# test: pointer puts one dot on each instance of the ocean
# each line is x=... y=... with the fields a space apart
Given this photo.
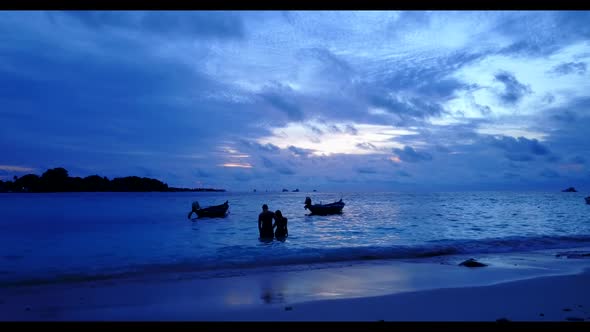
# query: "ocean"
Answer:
x=61 y=237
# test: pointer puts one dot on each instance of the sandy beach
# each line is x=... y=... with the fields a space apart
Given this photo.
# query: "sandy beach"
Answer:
x=533 y=286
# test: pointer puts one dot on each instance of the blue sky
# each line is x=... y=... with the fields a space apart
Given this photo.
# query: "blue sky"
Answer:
x=327 y=100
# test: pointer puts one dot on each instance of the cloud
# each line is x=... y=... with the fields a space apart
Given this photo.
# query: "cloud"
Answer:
x=277 y=166
x=316 y=130
x=268 y=147
x=350 y=129
x=366 y=170
x=578 y=160
x=404 y=174
x=17 y=169
x=569 y=68
x=519 y=149
x=217 y=24
x=514 y=91
x=406 y=108
x=316 y=94
x=332 y=66
x=286 y=170
x=410 y=155
x=282 y=100
x=548 y=173
x=535 y=34
x=366 y=146
x=202 y=174
x=300 y=152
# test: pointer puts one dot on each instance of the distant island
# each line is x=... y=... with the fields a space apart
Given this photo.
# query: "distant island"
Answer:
x=58 y=180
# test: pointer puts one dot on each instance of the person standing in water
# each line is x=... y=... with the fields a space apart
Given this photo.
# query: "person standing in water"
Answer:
x=281 y=224
x=265 y=226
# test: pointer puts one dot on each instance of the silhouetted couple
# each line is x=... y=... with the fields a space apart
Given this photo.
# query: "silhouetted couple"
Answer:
x=266 y=226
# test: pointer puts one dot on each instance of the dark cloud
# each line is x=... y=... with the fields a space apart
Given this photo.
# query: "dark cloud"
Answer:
x=548 y=173
x=366 y=146
x=534 y=34
x=442 y=148
x=216 y=24
x=569 y=68
x=578 y=160
x=549 y=98
x=564 y=116
x=268 y=147
x=483 y=109
x=519 y=149
x=350 y=129
x=513 y=89
x=409 y=21
x=202 y=174
x=333 y=65
x=404 y=174
x=267 y=162
x=94 y=91
x=509 y=175
x=428 y=78
x=300 y=152
x=283 y=99
x=334 y=129
x=406 y=108
x=286 y=170
x=277 y=166
x=316 y=130
x=366 y=170
x=410 y=155
x=243 y=177
x=518 y=156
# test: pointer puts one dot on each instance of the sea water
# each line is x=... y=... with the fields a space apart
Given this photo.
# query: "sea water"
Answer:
x=84 y=236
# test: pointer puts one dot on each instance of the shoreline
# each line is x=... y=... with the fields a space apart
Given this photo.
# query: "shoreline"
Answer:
x=515 y=286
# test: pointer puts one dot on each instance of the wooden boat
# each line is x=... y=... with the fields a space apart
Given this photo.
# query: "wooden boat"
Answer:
x=216 y=211
x=324 y=209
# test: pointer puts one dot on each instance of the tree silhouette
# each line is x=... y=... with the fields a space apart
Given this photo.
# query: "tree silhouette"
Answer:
x=58 y=180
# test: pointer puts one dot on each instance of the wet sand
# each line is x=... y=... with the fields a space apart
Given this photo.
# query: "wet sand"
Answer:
x=533 y=286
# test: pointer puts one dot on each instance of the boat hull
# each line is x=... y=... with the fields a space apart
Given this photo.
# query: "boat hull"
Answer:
x=323 y=210
x=219 y=211
x=212 y=214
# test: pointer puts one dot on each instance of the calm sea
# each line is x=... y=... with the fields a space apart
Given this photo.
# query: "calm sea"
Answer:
x=79 y=236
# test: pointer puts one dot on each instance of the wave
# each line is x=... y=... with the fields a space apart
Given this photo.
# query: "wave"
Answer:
x=242 y=257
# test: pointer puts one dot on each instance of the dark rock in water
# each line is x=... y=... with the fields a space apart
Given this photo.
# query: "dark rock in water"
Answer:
x=570 y=190
x=472 y=263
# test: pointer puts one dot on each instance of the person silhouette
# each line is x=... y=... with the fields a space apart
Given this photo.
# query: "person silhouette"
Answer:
x=281 y=231
x=265 y=226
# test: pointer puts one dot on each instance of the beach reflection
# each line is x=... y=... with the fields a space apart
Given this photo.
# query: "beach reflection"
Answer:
x=347 y=282
x=273 y=290
x=239 y=298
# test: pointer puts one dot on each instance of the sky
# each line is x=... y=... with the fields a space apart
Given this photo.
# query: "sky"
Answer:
x=325 y=100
